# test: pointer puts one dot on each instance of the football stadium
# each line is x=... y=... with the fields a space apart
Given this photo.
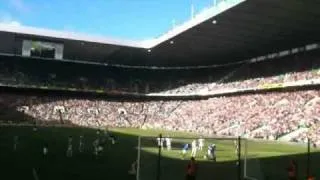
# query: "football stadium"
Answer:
x=231 y=94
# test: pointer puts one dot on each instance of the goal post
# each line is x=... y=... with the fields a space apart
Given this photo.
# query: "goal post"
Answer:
x=147 y=158
x=166 y=157
x=138 y=158
x=256 y=165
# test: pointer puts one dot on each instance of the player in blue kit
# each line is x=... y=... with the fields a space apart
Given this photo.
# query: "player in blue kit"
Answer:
x=212 y=152
x=184 y=150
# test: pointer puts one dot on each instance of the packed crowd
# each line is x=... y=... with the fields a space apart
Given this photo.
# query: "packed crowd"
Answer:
x=54 y=74
x=268 y=116
x=287 y=69
x=313 y=134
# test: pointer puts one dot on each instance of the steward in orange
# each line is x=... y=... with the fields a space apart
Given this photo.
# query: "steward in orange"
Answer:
x=192 y=170
x=292 y=170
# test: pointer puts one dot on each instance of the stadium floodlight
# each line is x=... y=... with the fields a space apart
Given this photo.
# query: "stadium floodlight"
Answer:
x=171 y=42
x=214 y=22
x=149 y=50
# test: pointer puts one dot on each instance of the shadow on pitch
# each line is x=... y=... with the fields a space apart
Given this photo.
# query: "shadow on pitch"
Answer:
x=116 y=159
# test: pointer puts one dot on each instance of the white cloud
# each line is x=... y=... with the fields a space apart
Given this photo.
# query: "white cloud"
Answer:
x=6 y=19
x=11 y=23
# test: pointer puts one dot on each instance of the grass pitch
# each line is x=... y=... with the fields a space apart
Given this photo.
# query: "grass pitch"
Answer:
x=266 y=160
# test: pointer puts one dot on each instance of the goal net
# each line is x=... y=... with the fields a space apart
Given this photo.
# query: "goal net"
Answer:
x=166 y=158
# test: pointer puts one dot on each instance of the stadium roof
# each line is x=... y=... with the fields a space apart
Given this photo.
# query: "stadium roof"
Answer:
x=234 y=30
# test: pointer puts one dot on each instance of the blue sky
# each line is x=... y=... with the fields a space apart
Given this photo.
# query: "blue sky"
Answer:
x=124 y=19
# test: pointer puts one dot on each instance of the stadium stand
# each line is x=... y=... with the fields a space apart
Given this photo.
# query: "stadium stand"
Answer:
x=267 y=116
x=66 y=75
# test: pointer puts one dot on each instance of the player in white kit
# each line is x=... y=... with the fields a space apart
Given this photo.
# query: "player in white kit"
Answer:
x=201 y=143
x=194 y=148
x=15 y=143
x=236 y=146
x=133 y=169
x=81 y=144
x=168 y=143
x=160 y=142
x=96 y=147
x=45 y=149
x=69 y=149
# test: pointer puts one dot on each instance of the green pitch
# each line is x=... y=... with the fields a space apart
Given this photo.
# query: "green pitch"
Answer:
x=266 y=160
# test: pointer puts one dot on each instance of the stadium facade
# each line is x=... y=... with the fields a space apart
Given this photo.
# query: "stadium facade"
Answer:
x=231 y=31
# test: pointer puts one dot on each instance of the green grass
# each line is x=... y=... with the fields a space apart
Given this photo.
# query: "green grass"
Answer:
x=266 y=159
